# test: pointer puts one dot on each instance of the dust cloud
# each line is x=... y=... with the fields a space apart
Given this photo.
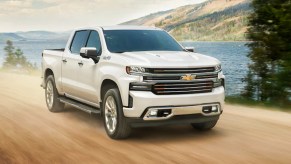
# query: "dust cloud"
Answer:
x=29 y=133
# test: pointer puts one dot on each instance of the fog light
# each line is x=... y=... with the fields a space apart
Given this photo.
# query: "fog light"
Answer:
x=214 y=108
x=153 y=112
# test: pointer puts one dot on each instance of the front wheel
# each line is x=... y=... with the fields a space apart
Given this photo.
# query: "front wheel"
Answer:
x=204 y=126
x=114 y=121
x=52 y=96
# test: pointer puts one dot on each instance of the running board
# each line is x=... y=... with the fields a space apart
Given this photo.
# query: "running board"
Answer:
x=86 y=108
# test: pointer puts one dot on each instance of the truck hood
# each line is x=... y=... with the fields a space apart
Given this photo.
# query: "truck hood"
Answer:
x=167 y=59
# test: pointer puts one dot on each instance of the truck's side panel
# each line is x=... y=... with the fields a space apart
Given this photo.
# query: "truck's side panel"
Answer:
x=70 y=74
x=88 y=73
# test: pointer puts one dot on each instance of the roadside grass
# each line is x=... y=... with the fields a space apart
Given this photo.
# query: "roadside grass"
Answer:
x=267 y=105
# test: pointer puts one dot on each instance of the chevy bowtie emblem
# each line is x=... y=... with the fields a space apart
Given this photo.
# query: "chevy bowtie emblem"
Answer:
x=188 y=77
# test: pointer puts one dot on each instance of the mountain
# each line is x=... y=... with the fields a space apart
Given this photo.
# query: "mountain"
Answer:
x=10 y=36
x=43 y=35
x=34 y=35
x=213 y=20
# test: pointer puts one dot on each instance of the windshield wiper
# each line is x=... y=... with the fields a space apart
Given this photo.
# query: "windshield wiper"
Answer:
x=120 y=52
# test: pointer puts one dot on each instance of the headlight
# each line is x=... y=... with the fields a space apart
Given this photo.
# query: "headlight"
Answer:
x=218 y=68
x=135 y=70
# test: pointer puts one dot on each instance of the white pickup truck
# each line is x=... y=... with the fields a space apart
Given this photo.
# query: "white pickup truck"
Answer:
x=133 y=76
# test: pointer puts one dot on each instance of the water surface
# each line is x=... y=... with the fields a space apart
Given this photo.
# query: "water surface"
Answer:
x=233 y=56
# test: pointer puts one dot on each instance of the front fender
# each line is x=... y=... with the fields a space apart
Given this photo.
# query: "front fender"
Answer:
x=118 y=75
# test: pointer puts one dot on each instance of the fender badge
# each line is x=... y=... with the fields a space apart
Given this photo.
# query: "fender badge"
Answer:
x=106 y=57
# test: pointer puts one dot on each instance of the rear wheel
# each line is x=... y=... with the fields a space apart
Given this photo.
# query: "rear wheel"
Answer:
x=204 y=126
x=114 y=121
x=52 y=96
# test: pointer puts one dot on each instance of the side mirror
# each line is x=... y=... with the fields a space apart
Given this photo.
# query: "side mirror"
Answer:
x=90 y=52
x=189 y=49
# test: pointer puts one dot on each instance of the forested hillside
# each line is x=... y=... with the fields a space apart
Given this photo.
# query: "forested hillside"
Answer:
x=213 y=20
x=229 y=24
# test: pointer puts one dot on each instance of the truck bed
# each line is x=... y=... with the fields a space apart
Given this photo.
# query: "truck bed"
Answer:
x=53 y=52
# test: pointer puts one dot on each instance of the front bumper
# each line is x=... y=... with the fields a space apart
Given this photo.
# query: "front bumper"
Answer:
x=193 y=103
x=175 y=120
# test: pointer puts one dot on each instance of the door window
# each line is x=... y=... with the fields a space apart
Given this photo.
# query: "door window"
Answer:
x=79 y=41
x=94 y=40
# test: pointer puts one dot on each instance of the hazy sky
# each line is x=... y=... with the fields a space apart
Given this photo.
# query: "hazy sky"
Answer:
x=60 y=15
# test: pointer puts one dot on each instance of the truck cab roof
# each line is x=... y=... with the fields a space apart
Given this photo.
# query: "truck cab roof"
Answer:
x=121 y=27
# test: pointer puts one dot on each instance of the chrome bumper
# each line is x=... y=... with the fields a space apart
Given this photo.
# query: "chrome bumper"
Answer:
x=163 y=113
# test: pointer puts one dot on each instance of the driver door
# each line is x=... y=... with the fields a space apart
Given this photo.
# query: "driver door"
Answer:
x=88 y=71
x=72 y=64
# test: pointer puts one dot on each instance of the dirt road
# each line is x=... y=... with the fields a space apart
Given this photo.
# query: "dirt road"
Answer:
x=29 y=133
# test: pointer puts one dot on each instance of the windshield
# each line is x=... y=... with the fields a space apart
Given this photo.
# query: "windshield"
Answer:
x=119 y=41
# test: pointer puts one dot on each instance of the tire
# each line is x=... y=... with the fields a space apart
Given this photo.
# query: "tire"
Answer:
x=204 y=126
x=52 y=96
x=112 y=111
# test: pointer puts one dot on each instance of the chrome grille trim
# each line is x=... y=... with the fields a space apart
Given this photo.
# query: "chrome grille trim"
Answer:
x=181 y=70
x=179 y=84
x=155 y=78
x=182 y=87
x=178 y=74
x=170 y=81
x=185 y=92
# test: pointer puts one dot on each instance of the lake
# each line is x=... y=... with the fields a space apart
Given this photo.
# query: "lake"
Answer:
x=233 y=56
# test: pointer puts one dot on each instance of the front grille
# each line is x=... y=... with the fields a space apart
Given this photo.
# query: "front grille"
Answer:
x=180 y=70
x=183 y=87
x=173 y=81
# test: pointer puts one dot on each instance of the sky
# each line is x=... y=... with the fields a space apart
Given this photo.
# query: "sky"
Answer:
x=63 y=15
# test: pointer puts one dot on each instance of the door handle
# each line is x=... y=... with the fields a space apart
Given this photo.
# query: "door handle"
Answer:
x=81 y=63
x=64 y=60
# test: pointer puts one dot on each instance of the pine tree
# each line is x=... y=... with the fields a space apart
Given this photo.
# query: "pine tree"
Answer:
x=15 y=58
x=10 y=60
x=269 y=73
